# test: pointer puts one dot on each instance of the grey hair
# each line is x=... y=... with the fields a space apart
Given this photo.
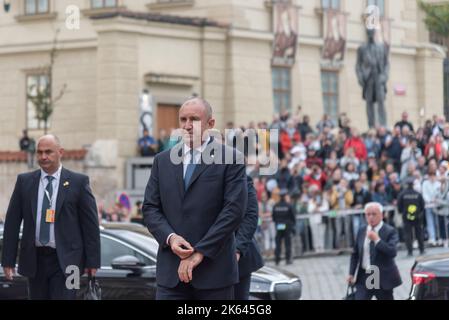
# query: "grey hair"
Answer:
x=204 y=102
x=54 y=137
x=375 y=205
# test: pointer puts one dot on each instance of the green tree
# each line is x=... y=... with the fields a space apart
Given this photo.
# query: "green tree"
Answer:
x=42 y=97
x=437 y=20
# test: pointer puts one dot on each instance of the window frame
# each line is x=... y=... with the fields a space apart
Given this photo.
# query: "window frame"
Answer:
x=36 y=6
x=40 y=123
x=281 y=90
x=330 y=93
x=103 y=6
x=331 y=5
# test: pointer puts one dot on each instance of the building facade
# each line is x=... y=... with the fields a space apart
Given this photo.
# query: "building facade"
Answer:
x=219 y=49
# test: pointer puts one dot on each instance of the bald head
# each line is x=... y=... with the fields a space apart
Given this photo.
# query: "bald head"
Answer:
x=49 y=153
x=197 y=100
x=50 y=138
x=195 y=118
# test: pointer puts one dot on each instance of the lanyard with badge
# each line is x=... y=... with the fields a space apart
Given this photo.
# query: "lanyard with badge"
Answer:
x=50 y=213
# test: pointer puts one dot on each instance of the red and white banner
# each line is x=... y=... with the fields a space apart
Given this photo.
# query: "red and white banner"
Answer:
x=285 y=20
x=335 y=34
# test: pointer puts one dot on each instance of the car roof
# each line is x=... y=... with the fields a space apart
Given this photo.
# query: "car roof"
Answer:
x=437 y=264
x=435 y=257
x=134 y=227
x=133 y=233
x=275 y=275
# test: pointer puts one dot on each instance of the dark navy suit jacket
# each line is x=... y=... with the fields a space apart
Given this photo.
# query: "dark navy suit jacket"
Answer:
x=250 y=258
x=382 y=256
x=207 y=215
x=77 y=232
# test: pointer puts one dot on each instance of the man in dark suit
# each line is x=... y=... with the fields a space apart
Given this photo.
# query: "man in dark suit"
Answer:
x=373 y=258
x=248 y=253
x=194 y=203
x=60 y=226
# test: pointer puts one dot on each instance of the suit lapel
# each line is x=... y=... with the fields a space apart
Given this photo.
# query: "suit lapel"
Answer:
x=199 y=169
x=179 y=175
x=362 y=243
x=34 y=191
x=62 y=190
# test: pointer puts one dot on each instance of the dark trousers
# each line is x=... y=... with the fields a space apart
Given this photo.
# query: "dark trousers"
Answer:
x=443 y=226
x=49 y=282
x=419 y=234
x=363 y=293
x=184 y=291
x=241 y=289
x=286 y=236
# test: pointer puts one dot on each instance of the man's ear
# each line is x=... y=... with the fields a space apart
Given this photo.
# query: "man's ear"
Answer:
x=211 y=123
x=61 y=151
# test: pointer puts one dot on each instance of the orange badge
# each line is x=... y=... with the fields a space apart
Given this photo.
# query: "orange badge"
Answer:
x=50 y=216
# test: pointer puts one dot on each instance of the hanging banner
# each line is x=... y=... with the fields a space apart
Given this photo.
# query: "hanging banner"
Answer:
x=335 y=29
x=285 y=20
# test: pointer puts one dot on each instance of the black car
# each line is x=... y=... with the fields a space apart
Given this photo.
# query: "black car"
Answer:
x=128 y=270
x=430 y=278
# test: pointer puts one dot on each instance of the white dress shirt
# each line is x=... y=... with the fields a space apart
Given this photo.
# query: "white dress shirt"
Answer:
x=366 y=260
x=43 y=182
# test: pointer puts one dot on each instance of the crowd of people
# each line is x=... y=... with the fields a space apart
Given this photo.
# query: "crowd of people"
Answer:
x=330 y=171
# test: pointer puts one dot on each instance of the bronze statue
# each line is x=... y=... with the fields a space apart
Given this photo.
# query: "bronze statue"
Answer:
x=372 y=72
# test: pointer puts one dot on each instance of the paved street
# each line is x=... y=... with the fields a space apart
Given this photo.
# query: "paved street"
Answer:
x=324 y=278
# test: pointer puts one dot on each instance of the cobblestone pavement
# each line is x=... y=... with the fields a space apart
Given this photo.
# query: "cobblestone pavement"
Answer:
x=323 y=278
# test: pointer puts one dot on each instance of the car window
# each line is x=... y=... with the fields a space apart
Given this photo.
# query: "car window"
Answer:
x=111 y=249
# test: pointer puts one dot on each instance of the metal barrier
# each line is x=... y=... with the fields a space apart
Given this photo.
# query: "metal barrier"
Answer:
x=338 y=228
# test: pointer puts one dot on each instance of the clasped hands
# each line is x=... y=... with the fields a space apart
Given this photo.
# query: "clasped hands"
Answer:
x=373 y=236
x=189 y=258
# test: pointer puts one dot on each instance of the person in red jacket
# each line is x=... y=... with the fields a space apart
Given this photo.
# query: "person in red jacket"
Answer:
x=286 y=142
x=434 y=148
x=317 y=177
x=357 y=143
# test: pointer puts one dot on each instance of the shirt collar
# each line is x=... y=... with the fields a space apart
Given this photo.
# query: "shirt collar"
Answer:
x=378 y=227
x=200 y=149
x=55 y=175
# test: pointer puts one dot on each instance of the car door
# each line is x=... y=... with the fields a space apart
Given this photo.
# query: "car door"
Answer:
x=123 y=284
x=12 y=290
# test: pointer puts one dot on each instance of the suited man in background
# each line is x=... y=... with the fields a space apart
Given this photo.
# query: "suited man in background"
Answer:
x=248 y=253
x=193 y=210
x=375 y=247
x=60 y=225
